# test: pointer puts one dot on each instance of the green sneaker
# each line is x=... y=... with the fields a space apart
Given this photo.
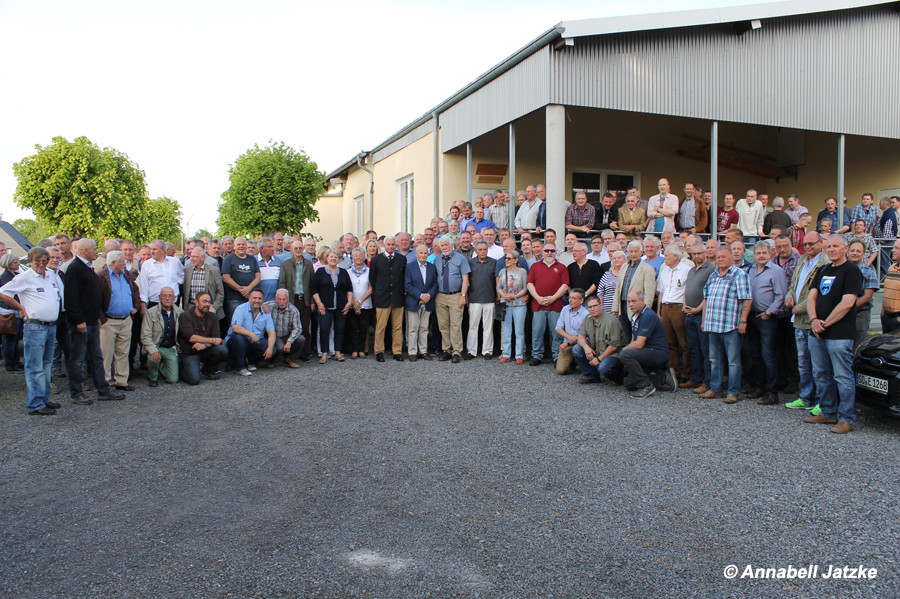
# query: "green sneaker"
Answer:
x=797 y=404
x=816 y=411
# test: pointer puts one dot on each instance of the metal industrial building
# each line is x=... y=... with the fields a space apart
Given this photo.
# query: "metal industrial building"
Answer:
x=788 y=97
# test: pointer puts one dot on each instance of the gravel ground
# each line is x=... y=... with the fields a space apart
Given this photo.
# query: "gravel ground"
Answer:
x=436 y=480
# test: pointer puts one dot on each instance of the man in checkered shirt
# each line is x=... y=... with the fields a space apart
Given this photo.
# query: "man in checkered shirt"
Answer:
x=726 y=305
x=289 y=338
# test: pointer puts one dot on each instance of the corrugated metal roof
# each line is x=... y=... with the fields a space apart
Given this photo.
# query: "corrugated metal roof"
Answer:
x=707 y=16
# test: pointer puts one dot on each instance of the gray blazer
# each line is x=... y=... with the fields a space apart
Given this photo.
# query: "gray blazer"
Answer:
x=214 y=286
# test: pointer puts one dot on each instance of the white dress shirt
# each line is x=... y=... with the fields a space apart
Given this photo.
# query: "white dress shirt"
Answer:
x=156 y=275
x=671 y=282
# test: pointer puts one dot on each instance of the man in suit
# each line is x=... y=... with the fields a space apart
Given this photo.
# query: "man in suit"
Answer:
x=82 y=301
x=607 y=215
x=637 y=276
x=421 y=289
x=202 y=274
x=632 y=219
x=296 y=276
x=387 y=274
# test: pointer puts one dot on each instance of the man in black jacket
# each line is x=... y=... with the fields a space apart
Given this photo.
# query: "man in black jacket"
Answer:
x=387 y=274
x=82 y=295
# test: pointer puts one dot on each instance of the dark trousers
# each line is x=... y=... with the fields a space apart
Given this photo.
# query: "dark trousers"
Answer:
x=337 y=319
x=305 y=317
x=63 y=348
x=136 y=321
x=296 y=347
x=624 y=321
x=241 y=349
x=639 y=363
x=86 y=346
x=11 y=347
x=786 y=354
x=764 y=364
x=211 y=357
x=436 y=343
x=698 y=341
x=358 y=325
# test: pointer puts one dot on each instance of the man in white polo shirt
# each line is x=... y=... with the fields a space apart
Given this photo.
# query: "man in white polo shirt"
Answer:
x=41 y=294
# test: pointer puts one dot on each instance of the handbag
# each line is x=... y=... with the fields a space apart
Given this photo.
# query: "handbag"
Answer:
x=8 y=324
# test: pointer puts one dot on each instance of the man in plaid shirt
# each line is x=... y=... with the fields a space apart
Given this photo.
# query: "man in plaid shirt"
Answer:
x=726 y=305
x=798 y=230
x=866 y=211
x=289 y=338
x=580 y=215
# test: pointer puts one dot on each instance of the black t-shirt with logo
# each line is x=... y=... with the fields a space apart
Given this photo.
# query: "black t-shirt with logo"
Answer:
x=832 y=284
x=242 y=271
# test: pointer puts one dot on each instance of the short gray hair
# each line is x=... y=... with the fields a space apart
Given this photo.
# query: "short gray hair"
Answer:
x=115 y=256
x=284 y=291
x=634 y=243
x=674 y=249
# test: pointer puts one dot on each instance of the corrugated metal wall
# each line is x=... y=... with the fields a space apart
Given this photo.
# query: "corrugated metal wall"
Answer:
x=835 y=71
x=522 y=89
x=410 y=138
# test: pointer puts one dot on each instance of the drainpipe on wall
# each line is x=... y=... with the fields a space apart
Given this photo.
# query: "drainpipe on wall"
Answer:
x=436 y=167
x=359 y=163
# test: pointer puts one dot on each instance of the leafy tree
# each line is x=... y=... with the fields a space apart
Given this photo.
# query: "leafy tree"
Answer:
x=32 y=229
x=272 y=188
x=202 y=233
x=84 y=190
x=163 y=220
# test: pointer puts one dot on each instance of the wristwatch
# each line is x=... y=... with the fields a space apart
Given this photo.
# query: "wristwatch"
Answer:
x=742 y=321
x=462 y=295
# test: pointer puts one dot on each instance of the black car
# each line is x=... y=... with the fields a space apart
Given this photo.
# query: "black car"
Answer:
x=876 y=367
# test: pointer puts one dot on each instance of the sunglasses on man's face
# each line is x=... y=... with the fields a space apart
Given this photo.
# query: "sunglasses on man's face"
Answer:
x=549 y=251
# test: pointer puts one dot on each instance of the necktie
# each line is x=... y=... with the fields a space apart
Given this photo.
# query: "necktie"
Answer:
x=445 y=275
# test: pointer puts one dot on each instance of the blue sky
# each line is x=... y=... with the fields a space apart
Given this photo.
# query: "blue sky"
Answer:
x=185 y=87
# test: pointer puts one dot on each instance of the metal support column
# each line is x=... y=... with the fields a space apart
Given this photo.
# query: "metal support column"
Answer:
x=714 y=178
x=556 y=168
x=510 y=208
x=840 y=189
x=436 y=168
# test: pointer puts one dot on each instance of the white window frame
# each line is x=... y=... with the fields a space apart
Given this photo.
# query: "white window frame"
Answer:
x=406 y=200
x=359 y=211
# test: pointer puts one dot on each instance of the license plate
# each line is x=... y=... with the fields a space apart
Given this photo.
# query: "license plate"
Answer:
x=870 y=382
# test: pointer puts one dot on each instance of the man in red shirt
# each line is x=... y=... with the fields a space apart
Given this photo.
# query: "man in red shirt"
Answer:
x=797 y=232
x=548 y=281
x=727 y=217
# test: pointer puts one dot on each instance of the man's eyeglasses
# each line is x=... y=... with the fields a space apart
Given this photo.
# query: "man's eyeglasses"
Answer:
x=809 y=243
x=549 y=251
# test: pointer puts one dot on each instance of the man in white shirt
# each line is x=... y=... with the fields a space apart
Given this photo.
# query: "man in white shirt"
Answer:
x=41 y=295
x=751 y=216
x=671 y=285
x=526 y=217
x=599 y=253
x=661 y=209
x=158 y=272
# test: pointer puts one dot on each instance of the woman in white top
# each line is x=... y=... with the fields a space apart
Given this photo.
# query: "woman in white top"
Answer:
x=361 y=308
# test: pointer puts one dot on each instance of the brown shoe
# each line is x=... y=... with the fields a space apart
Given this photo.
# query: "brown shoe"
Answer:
x=842 y=427
x=413 y=357
x=732 y=398
x=291 y=363
x=689 y=385
x=425 y=357
x=269 y=364
x=769 y=399
x=589 y=381
x=701 y=389
x=710 y=395
x=820 y=419
x=754 y=393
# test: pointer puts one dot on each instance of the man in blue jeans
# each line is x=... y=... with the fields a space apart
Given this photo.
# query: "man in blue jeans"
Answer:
x=82 y=301
x=726 y=306
x=833 y=294
x=251 y=336
x=697 y=338
x=200 y=341
x=768 y=286
x=548 y=281
x=599 y=341
x=40 y=293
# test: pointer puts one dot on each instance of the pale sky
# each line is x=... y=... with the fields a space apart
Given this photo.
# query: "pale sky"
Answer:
x=184 y=87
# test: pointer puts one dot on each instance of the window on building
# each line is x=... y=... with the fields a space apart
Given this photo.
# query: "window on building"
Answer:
x=406 y=194
x=597 y=183
x=359 y=207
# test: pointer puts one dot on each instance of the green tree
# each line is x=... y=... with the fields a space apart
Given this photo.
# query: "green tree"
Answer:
x=272 y=188
x=163 y=220
x=32 y=229
x=81 y=189
x=202 y=233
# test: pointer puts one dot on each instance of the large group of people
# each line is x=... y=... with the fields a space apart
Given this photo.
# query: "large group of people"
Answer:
x=638 y=294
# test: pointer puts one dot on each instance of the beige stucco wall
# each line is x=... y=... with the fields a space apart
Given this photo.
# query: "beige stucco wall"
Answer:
x=415 y=160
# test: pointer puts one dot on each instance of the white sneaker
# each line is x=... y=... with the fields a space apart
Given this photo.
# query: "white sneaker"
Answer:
x=244 y=372
x=251 y=367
